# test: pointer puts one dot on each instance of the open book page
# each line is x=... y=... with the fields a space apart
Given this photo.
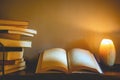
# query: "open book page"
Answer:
x=80 y=59
x=53 y=59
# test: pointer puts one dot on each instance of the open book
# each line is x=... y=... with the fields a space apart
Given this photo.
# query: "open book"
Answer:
x=76 y=60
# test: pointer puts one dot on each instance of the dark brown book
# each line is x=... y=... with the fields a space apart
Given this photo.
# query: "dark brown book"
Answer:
x=13 y=49
x=10 y=36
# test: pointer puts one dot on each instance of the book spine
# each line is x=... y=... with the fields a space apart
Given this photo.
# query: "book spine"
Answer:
x=8 y=67
x=18 y=29
x=14 y=22
x=11 y=62
x=13 y=70
x=16 y=32
x=11 y=55
x=10 y=36
x=15 y=43
x=13 y=49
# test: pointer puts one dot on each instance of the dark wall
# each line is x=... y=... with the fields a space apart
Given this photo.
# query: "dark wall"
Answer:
x=66 y=23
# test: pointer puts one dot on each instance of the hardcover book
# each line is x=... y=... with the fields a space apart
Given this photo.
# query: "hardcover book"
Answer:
x=12 y=55
x=16 y=32
x=22 y=24
x=31 y=31
x=58 y=60
x=13 y=70
x=15 y=43
x=11 y=62
x=10 y=36
x=11 y=49
x=8 y=67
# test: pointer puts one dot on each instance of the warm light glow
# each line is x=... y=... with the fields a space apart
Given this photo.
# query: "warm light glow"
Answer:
x=107 y=52
x=106 y=42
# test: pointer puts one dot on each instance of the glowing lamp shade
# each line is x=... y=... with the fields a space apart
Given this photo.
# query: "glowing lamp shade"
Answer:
x=107 y=52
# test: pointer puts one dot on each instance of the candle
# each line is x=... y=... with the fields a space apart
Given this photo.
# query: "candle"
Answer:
x=107 y=52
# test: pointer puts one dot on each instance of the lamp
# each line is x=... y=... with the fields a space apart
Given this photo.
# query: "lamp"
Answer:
x=107 y=52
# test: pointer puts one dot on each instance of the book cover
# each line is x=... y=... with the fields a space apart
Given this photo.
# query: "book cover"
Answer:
x=16 y=32
x=31 y=31
x=13 y=70
x=15 y=43
x=8 y=67
x=12 y=55
x=12 y=49
x=24 y=24
x=10 y=36
x=11 y=62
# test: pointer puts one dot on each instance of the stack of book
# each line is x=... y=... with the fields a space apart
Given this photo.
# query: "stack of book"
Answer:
x=11 y=32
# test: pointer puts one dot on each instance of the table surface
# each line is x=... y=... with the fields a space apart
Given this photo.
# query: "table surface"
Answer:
x=23 y=75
